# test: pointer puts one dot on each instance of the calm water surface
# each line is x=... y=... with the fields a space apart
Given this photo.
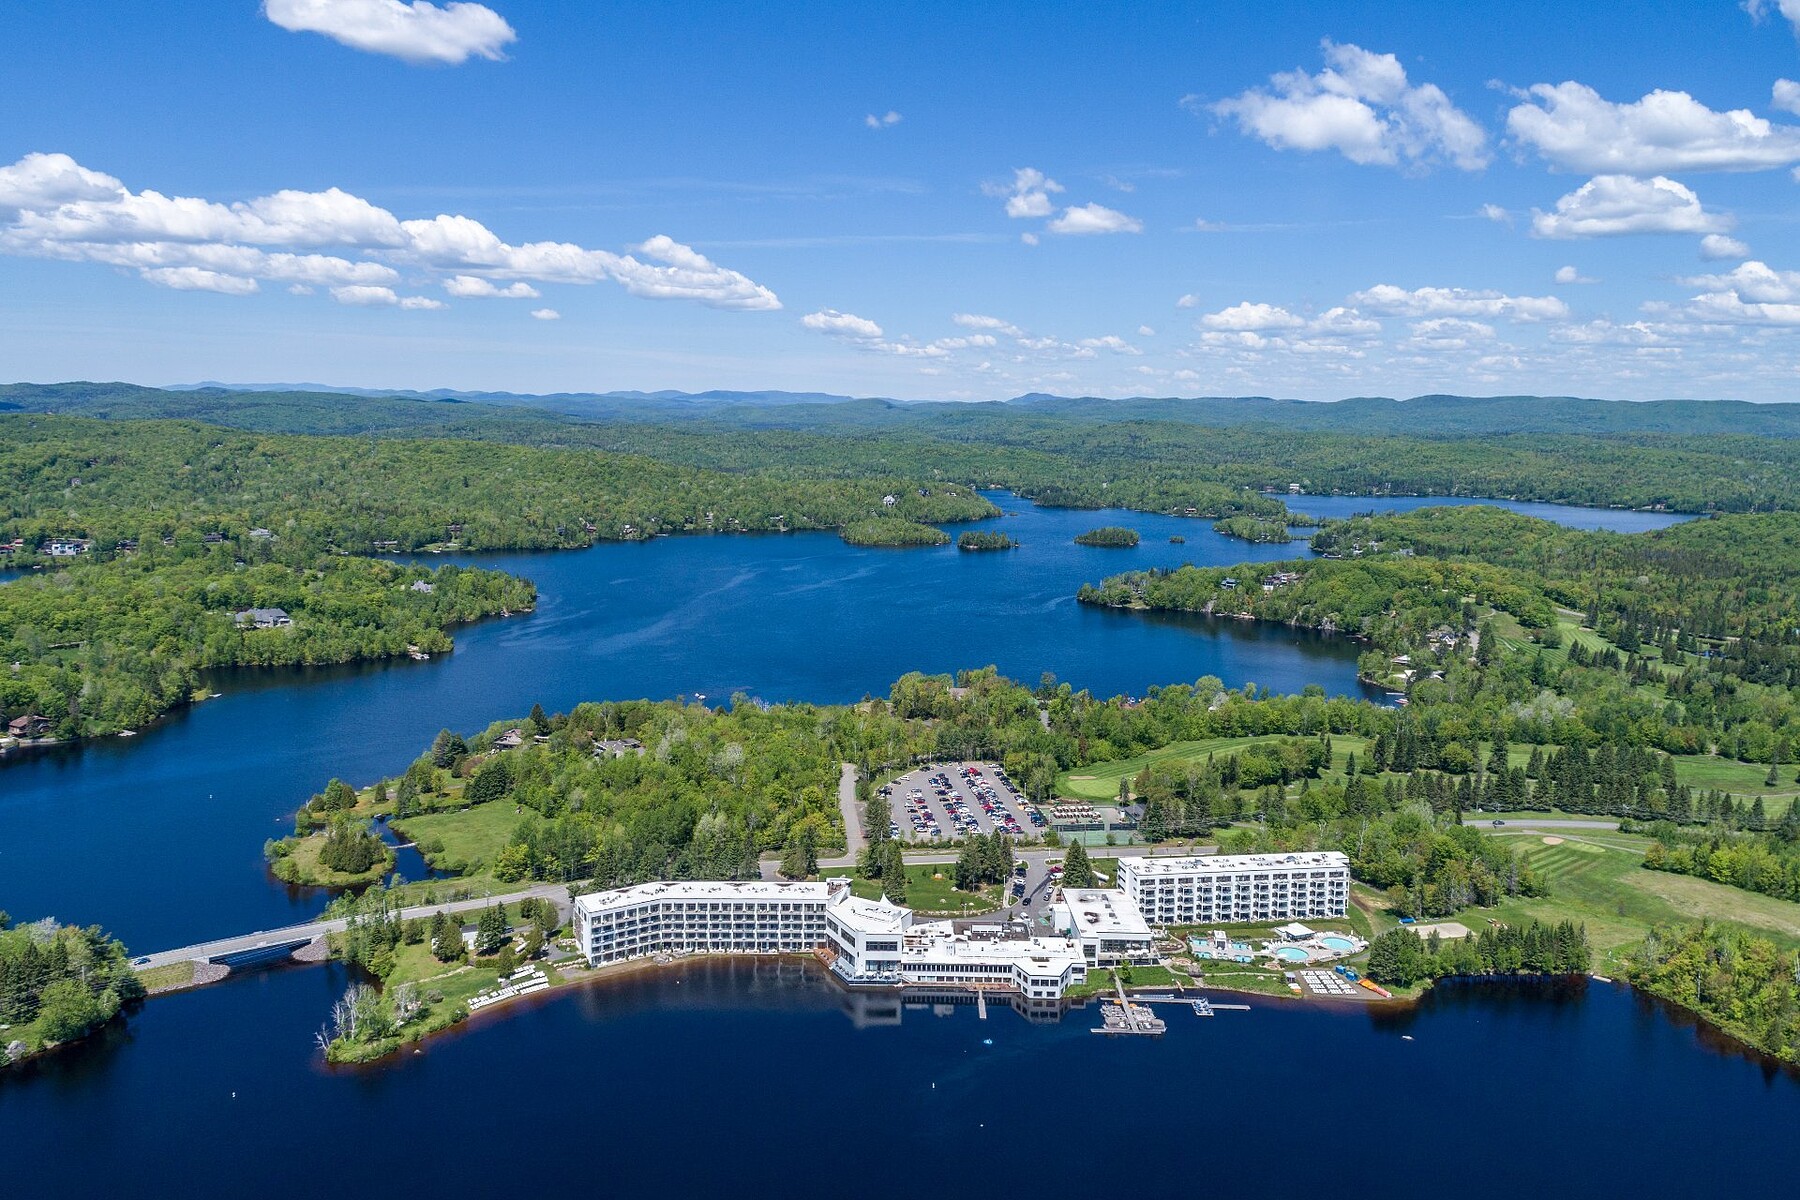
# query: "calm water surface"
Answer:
x=159 y=837
x=736 y=1078
x=744 y=1077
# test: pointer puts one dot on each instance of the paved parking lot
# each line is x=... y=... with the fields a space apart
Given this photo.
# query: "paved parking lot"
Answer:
x=946 y=801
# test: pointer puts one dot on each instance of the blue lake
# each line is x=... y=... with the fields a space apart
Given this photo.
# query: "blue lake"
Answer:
x=704 y=1079
x=159 y=837
x=724 y=1078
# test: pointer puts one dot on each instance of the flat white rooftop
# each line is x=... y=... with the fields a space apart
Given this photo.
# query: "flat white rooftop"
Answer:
x=871 y=916
x=1234 y=863
x=750 y=889
x=1104 y=912
x=938 y=941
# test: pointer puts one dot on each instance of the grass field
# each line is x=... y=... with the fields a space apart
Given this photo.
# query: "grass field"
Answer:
x=472 y=838
x=1598 y=879
x=927 y=892
x=1100 y=781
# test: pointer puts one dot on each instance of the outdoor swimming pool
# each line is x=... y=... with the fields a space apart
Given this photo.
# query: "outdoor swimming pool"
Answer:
x=1337 y=945
x=1292 y=954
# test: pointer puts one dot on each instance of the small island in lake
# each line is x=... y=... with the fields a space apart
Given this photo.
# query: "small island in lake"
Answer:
x=1254 y=529
x=985 y=541
x=1109 y=535
x=892 y=531
x=1178 y=540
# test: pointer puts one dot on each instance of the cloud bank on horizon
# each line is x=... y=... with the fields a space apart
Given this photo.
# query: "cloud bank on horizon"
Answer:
x=1341 y=212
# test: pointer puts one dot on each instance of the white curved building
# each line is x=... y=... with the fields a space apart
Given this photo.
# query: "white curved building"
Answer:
x=869 y=943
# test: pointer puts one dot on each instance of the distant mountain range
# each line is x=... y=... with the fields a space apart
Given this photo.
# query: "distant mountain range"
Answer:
x=317 y=408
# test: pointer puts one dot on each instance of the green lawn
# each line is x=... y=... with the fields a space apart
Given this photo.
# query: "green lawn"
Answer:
x=929 y=890
x=1100 y=781
x=1739 y=778
x=472 y=838
x=1600 y=881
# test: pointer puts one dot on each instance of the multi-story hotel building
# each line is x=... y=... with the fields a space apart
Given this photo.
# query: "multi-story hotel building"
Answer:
x=868 y=942
x=710 y=918
x=1222 y=888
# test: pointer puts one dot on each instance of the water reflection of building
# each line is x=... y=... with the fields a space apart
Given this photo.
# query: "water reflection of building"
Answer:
x=870 y=1009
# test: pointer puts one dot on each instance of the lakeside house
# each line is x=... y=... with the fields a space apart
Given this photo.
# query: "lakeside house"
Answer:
x=512 y=739
x=261 y=535
x=31 y=726
x=617 y=747
x=420 y=585
x=264 y=618
x=65 y=547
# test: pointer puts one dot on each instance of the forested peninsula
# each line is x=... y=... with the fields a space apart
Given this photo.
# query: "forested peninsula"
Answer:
x=154 y=551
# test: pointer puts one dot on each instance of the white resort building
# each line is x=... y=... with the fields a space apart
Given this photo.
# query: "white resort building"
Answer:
x=1107 y=925
x=710 y=918
x=1222 y=888
x=867 y=942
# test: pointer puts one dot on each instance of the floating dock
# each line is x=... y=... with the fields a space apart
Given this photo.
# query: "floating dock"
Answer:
x=1126 y=1017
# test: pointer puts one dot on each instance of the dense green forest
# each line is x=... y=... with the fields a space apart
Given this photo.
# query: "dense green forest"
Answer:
x=109 y=481
x=181 y=527
x=107 y=645
x=1211 y=457
x=1401 y=957
x=1746 y=985
x=1686 y=638
x=984 y=540
x=58 y=983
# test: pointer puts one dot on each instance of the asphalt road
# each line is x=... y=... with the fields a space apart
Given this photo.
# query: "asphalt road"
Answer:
x=1534 y=823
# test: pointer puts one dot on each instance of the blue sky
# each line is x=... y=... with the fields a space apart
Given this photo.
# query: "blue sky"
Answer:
x=1197 y=199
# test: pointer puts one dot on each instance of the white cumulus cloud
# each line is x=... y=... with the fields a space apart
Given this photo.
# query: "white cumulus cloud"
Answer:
x=884 y=121
x=1429 y=302
x=1571 y=275
x=1617 y=204
x=198 y=279
x=417 y=32
x=1716 y=246
x=1094 y=218
x=1573 y=127
x=546 y=314
x=1785 y=95
x=992 y=324
x=1252 y=317
x=1753 y=281
x=473 y=287
x=1028 y=195
x=841 y=324
x=1759 y=9
x=52 y=207
x=1362 y=106
x=367 y=297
